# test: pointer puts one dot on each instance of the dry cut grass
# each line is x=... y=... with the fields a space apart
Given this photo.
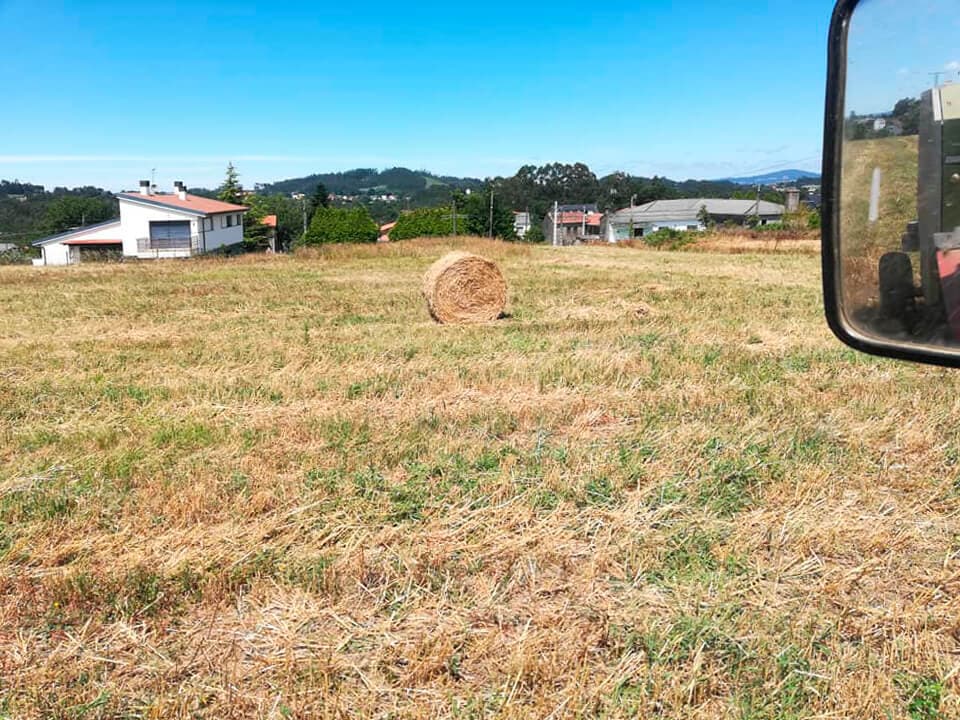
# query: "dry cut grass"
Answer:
x=273 y=487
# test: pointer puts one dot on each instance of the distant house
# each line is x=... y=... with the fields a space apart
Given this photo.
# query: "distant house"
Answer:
x=8 y=247
x=521 y=223
x=151 y=225
x=686 y=214
x=270 y=222
x=572 y=226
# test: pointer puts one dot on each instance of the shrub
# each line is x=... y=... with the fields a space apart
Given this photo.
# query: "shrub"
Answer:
x=668 y=239
x=14 y=257
x=341 y=225
x=534 y=234
x=771 y=227
x=423 y=222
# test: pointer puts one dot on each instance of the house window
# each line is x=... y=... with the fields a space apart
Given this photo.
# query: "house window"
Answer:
x=638 y=232
x=693 y=227
x=208 y=224
x=226 y=221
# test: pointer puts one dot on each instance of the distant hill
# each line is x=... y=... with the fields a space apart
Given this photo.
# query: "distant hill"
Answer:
x=773 y=178
x=419 y=185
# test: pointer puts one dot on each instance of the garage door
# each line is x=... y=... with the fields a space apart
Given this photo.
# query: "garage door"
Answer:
x=170 y=235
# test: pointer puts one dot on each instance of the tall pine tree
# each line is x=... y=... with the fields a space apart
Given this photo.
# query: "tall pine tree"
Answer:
x=231 y=191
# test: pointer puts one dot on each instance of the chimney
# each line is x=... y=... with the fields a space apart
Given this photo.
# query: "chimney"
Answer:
x=793 y=199
x=144 y=187
x=181 y=189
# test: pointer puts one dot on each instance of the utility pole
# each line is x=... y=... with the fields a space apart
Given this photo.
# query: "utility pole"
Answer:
x=757 y=211
x=303 y=208
x=555 y=206
x=936 y=77
x=491 y=214
x=454 y=200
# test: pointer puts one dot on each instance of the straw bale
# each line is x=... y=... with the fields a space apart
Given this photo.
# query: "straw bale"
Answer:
x=462 y=287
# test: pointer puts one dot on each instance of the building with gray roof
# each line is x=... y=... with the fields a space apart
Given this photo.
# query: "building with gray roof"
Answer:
x=685 y=214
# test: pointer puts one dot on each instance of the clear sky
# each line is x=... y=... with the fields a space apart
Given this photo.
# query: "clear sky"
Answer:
x=898 y=48
x=101 y=93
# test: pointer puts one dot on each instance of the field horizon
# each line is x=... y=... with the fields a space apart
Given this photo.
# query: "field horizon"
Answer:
x=273 y=487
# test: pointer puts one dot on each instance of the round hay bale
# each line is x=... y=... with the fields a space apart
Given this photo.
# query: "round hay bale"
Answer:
x=462 y=287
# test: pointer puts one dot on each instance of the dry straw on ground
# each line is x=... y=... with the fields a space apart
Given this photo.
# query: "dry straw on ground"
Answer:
x=255 y=488
x=462 y=287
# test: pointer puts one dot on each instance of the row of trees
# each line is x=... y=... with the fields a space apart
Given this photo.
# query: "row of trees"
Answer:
x=314 y=221
x=29 y=212
x=481 y=213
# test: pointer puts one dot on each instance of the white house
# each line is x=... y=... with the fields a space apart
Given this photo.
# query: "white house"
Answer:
x=685 y=214
x=152 y=225
x=521 y=223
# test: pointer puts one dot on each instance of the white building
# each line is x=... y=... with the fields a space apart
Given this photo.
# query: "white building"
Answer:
x=685 y=214
x=151 y=225
x=521 y=223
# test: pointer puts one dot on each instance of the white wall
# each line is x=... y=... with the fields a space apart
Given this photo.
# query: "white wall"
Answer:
x=56 y=253
x=622 y=231
x=221 y=236
x=136 y=218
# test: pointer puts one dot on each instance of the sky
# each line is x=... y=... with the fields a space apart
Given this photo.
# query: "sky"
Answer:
x=108 y=93
x=898 y=49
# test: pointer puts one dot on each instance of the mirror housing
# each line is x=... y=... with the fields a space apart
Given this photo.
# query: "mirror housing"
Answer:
x=891 y=279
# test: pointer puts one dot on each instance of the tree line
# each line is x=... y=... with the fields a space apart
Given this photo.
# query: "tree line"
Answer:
x=450 y=205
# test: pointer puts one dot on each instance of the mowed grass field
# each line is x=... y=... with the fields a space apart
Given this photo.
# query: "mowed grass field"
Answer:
x=273 y=488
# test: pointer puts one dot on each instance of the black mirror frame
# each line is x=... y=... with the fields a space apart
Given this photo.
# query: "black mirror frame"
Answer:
x=830 y=208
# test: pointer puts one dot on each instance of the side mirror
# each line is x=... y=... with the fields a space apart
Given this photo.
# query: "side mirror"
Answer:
x=891 y=179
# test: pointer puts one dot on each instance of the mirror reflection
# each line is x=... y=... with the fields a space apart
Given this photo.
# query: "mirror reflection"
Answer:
x=900 y=179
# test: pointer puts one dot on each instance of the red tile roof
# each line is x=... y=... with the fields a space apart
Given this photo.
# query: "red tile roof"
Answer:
x=194 y=203
x=575 y=217
x=93 y=242
x=269 y=221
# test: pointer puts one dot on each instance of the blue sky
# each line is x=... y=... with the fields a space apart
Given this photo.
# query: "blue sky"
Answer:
x=894 y=49
x=103 y=92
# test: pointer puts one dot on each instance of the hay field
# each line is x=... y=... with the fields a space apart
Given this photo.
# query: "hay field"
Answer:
x=274 y=488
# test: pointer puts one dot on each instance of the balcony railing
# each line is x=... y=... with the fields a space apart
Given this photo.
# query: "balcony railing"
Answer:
x=179 y=246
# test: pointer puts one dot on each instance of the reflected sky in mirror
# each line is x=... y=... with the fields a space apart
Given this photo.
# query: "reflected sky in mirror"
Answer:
x=896 y=49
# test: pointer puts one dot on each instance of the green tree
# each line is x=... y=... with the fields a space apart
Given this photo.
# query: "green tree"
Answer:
x=476 y=210
x=231 y=191
x=255 y=233
x=320 y=198
x=704 y=217
x=907 y=111
x=69 y=211
x=534 y=233
x=341 y=225
x=425 y=222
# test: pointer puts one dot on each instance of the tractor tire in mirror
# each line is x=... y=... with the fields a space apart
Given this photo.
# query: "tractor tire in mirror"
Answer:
x=891 y=180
